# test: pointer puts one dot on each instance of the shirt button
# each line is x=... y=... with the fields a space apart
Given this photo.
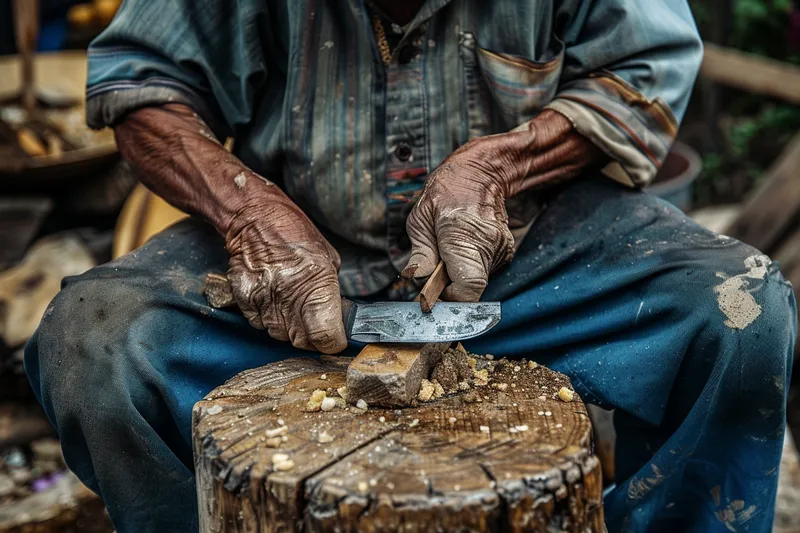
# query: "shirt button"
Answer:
x=403 y=152
x=406 y=54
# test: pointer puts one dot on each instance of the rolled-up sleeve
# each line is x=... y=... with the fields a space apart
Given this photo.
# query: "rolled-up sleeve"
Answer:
x=629 y=70
x=207 y=54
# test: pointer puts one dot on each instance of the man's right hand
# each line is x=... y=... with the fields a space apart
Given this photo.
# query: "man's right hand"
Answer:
x=283 y=273
x=282 y=270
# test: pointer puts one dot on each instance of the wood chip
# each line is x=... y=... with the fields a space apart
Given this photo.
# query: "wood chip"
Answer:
x=328 y=404
x=426 y=391
x=481 y=377
x=283 y=466
x=277 y=432
x=315 y=401
x=566 y=394
x=279 y=457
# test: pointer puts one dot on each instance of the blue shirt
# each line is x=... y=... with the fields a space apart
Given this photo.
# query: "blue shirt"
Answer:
x=301 y=86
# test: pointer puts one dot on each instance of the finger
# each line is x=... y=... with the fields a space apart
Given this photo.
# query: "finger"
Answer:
x=424 y=250
x=322 y=318
x=297 y=335
x=247 y=291
x=471 y=248
x=468 y=273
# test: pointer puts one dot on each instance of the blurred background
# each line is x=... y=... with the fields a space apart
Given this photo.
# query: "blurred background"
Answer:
x=67 y=202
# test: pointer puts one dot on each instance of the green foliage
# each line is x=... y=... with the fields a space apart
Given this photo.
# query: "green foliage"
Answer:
x=759 y=26
x=754 y=128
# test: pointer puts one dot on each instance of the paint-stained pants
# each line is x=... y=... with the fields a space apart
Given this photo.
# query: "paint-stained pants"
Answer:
x=686 y=333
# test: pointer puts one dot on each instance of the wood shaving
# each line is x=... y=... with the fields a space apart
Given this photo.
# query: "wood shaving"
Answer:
x=414 y=423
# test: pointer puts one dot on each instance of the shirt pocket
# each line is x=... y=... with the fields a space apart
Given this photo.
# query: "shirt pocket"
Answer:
x=518 y=87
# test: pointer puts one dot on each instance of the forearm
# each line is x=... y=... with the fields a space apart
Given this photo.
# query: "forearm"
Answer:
x=175 y=155
x=542 y=152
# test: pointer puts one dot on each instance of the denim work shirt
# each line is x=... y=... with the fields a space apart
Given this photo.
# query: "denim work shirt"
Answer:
x=301 y=86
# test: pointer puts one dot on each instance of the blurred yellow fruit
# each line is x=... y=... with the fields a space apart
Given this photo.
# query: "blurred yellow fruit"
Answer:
x=106 y=9
x=81 y=15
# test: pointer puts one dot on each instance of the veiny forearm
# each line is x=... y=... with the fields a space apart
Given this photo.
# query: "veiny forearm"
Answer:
x=545 y=152
x=175 y=155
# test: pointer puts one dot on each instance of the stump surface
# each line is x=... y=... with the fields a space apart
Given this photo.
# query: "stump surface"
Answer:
x=481 y=460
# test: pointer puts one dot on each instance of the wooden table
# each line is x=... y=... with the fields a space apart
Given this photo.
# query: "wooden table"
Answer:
x=510 y=456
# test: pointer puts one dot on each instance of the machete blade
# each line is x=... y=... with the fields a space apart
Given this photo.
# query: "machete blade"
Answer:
x=405 y=322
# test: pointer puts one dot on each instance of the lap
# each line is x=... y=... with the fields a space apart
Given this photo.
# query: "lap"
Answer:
x=611 y=286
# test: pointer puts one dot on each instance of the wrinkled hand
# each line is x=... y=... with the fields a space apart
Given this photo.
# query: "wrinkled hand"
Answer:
x=461 y=216
x=283 y=274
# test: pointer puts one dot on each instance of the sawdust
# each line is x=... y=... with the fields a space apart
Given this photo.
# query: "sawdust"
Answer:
x=453 y=368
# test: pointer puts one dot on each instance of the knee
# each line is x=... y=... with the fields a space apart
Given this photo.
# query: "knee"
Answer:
x=742 y=348
x=754 y=312
x=73 y=356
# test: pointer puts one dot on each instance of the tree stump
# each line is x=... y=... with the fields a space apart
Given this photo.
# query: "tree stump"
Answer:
x=510 y=456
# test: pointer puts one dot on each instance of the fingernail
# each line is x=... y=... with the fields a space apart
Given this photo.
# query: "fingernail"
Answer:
x=409 y=271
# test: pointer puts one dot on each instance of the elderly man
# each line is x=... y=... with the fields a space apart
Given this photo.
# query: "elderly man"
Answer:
x=508 y=139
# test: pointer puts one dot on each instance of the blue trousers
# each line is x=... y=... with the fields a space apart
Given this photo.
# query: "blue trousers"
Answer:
x=686 y=333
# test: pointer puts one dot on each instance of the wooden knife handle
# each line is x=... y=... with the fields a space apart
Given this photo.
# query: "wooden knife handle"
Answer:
x=433 y=288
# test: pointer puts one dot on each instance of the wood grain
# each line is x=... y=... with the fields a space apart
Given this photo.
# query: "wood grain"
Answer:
x=380 y=471
x=433 y=288
x=390 y=375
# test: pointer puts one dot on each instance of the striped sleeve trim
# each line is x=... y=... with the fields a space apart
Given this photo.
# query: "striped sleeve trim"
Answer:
x=635 y=132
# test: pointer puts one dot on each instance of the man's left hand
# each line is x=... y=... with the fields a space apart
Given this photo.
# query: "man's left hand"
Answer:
x=461 y=216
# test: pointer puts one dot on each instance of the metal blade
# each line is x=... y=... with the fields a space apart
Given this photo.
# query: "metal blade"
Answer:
x=405 y=321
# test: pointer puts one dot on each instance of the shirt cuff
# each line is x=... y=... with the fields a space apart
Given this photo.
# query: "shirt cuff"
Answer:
x=108 y=103
x=634 y=131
